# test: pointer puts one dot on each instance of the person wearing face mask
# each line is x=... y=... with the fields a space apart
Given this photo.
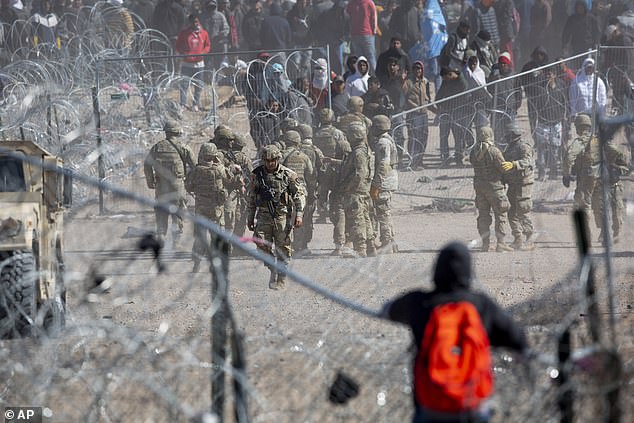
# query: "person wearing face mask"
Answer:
x=192 y=40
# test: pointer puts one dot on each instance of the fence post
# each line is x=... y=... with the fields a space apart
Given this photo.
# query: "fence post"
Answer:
x=329 y=82
x=100 y=166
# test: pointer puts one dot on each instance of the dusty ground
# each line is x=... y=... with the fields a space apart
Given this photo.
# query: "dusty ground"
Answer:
x=141 y=351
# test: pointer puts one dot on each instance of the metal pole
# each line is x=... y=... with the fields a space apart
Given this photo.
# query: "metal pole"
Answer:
x=218 y=255
x=97 y=117
x=329 y=70
x=605 y=188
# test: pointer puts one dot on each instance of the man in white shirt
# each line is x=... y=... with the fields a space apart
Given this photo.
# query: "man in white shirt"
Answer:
x=581 y=91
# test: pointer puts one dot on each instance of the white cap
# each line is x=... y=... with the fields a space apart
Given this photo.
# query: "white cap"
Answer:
x=589 y=61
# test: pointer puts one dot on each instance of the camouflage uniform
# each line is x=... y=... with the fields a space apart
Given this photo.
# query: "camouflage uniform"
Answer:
x=356 y=177
x=271 y=197
x=355 y=114
x=165 y=168
x=334 y=146
x=519 y=178
x=385 y=180
x=297 y=161
x=239 y=157
x=490 y=194
x=207 y=183
x=618 y=166
x=317 y=159
x=224 y=139
x=573 y=164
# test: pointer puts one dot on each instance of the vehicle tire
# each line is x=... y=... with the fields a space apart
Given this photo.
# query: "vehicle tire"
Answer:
x=17 y=293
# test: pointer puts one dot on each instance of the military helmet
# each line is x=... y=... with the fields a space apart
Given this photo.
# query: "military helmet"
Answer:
x=355 y=104
x=208 y=152
x=271 y=152
x=292 y=137
x=356 y=131
x=583 y=119
x=381 y=122
x=306 y=131
x=511 y=128
x=288 y=123
x=326 y=115
x=223 y=132
x=240 y=142
x=172 y=128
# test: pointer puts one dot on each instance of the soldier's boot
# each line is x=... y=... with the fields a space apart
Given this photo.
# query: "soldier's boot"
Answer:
x=394 y=247
x=360 y=249
x=337 y=251
x=386 y=247
x=486 y=244
x=280 y=281
x=529 y=245
x=371 y=249
x=273 y=279
x=517 y=243
x=503 y=246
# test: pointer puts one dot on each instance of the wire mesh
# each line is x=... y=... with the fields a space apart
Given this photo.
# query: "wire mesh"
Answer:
x=138 y=343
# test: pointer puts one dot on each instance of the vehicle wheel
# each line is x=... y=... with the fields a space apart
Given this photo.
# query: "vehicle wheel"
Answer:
x=17 y=293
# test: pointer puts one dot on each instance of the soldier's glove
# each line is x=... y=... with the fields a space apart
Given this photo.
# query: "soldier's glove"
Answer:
x=566 y=181
x=506 y=166
x=374 y=192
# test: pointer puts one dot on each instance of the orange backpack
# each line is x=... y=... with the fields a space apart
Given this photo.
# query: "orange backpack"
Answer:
x=452 y=372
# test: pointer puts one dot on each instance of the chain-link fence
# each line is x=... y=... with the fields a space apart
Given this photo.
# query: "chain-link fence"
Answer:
x=144 y=345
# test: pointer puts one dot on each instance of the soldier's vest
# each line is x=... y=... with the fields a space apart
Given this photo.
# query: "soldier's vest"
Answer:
x=296 y=161
x=325 y=140
x=309 y=150
x=208 y=182
x=393 y=152
x=591 y=159
x=167 y=161
x=483 y=169
x=347 y=119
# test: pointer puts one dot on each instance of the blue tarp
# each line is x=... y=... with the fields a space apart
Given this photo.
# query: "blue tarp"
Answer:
x=434 y=29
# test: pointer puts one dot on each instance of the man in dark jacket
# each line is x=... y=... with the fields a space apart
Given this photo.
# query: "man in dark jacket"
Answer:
x=405 y=21
x=169 y=17
x=252 y=25
x=395 y=50
x=452 y=280
x=275 y=32
x=581 y=32
x=532 y=81
x=452 y=114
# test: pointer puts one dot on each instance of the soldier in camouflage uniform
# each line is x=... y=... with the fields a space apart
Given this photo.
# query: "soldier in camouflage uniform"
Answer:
x=490 y=193
x=356 y=176
x=317 y=159
x=288 y=124
x=385 y=180
x=355 y=114
x=297 y=161
x=518 y=174
x=572 y=163
x=618 y=165
x=224 y=139
x=166 y=166
x=334 y=146
x=207 y=183
x=273 y=193
x=237 y=155
x=583 y=160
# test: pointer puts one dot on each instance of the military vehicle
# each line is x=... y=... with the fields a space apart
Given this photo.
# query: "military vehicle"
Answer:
x=32 y=201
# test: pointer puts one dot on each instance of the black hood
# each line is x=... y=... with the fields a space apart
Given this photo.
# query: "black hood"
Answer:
x=542 y=50
x=276 y=10
x=453 y=268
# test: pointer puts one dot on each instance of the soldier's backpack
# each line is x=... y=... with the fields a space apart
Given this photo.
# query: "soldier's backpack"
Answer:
x=325 y=140
x=209 y=182
x=452 y=371
x=168 y=162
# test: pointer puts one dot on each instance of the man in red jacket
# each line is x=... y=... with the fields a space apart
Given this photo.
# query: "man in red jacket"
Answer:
x=192 y=40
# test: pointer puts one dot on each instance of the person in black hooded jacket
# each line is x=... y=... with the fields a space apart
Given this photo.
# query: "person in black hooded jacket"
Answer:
x=452 y=279
x=533 y=81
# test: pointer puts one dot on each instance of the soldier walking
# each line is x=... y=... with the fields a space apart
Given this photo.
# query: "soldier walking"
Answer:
x=334 y=146
x=207 y=182
x=356 y=176
x=273 y=193
x=165 y=167
x=317 y=159
x=487 y=161
x=297 y=161
x=355 y=114
x=237 y=155
x=518 y=174
x=385 y=180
